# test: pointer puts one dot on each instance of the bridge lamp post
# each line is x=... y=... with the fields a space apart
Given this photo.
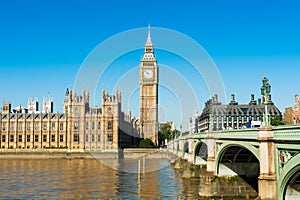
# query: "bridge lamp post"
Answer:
x=265 y=91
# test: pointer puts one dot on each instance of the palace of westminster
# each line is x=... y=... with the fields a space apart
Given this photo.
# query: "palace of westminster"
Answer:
x=81 y=127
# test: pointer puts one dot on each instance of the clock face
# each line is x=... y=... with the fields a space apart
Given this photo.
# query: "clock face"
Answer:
x=148 y=73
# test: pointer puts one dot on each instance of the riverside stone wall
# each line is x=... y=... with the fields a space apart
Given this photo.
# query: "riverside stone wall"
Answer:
x=210 y=186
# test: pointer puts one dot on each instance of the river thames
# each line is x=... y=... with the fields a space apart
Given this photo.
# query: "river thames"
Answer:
x=88 y=179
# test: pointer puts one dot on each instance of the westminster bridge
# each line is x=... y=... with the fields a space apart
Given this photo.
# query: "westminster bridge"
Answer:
x=267 y=158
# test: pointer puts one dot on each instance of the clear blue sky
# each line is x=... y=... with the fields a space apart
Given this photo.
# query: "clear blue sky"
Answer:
x=43 y=43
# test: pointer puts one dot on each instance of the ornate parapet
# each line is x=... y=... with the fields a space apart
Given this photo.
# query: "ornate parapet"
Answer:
x=287 y=133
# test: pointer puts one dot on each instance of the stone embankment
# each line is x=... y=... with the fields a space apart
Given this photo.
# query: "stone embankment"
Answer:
x=214 y=187
x=130 y=153
x=42 y=154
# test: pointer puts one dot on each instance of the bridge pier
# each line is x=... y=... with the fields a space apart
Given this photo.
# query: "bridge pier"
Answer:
x=267 y=187
x=170 y=146
x=191 y=152
x=176 y=147
x=211 y=154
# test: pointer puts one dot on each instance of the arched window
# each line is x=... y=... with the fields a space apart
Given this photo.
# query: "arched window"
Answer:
x=109 y=125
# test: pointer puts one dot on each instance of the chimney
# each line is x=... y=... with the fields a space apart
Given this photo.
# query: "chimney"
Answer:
x=232 y=97
x=259 y=101
x=252 y=97
x=216 y=97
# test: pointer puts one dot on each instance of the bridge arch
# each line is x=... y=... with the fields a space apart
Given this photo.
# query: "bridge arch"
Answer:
x=185 y=150
x=240 y=159
x=200 y=152
x=224 y=147
x=289 y=176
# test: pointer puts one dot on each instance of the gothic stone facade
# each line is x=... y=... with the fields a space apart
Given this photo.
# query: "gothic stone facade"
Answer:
x=78 y=127
x=292 y=114
x=296 y=111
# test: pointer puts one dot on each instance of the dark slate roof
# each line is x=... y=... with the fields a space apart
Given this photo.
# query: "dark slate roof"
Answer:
x=34 y=115
x=234 y=109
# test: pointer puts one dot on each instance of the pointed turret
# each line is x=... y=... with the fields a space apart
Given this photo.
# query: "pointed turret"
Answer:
x=149 y=49
x=149 y=42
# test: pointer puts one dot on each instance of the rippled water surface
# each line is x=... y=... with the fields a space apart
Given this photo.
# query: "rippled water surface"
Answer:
x=87 y=178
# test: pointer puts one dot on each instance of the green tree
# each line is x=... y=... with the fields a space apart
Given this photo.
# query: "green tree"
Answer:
x=147 y=143
x=276 y=121
x=165 y=128
x=175 y=133
x=161 y=137
x=164 y=133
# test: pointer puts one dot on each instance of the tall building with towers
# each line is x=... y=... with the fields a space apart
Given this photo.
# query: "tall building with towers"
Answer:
x=149 y=92
x=79 y=127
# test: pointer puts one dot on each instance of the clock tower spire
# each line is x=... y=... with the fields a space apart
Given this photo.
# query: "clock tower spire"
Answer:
x=149 y=42
x=149 y=92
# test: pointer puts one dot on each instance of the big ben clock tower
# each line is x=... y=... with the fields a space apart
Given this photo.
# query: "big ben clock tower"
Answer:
x=149 y=93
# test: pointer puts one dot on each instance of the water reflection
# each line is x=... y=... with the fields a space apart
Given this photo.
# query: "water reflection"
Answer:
x=84 y=178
